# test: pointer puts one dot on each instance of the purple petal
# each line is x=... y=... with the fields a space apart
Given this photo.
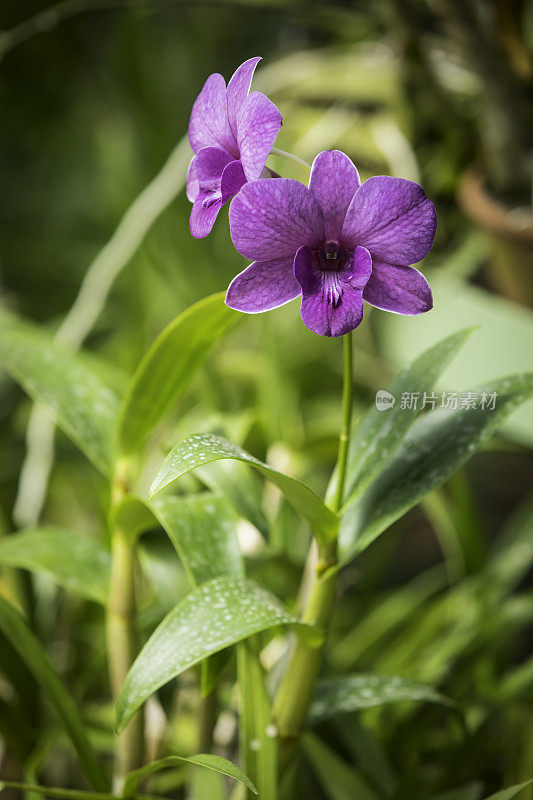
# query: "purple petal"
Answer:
x=258 y=124
x=238 y=89
x=334 y=181
x=392 y=218
x=210 y=164
x=263 y=285
x=403 y=290
x=193 y=185
x=203 y=215
x=332 y=300
x=273 y=217
x=209 y=124
x=233 y=179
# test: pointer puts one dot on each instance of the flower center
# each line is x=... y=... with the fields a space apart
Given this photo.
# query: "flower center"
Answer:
x=332 y=260
x=332 y=257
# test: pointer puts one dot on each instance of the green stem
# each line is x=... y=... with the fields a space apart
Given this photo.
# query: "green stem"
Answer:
x=122 y=644
x=297 y=686
x=207 y=719
x=67 y=794
x=275 y=151
x=346 y=424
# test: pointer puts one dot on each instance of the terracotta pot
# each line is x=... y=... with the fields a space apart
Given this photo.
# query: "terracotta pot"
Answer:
x=511 y=232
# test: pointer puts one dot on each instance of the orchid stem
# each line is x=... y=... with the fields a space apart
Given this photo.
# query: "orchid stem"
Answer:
x=298 y=684
x=346 y=425
x=275 y=151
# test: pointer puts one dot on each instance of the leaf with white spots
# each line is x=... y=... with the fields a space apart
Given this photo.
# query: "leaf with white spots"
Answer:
x=169 y=366
x=200 y=449
x=439 y=443
x=343 y=695
x=380 y=432
x=83 y=406
x=206 y=760
x=76 y=562
x=216 y=615
x=202 y=529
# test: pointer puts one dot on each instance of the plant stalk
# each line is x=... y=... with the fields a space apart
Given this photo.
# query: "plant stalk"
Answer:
x=298 y=684
x=122 y=643
x=346 y=423
x=275 y=151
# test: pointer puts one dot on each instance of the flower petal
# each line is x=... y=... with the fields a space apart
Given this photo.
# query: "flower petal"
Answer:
x=203 y=215
x=209 y=124
x=392 y=218
x=193 y=185
x=210 y=164
x=238 y=89
x=233 y=179
x=332 y=300
x=403 y=290
x=263 y=285
x=334 y=181
x=273 y=217
x=258 y=124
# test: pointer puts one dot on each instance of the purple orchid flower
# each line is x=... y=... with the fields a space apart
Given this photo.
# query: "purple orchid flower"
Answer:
x=231 y=133
x=337 y=243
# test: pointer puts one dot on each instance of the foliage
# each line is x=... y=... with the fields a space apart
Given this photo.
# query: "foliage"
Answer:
x=426 y=683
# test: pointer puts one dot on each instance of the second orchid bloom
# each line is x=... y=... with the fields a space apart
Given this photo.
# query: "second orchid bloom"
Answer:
x=336 y=242
x=231 y=132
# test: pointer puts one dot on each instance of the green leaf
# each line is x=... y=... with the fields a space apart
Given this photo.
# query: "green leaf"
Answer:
x=438 y=444
x=76 y=562
x=133 y=515
x=500 y=349
x=200 y=449
x=469 y=791
x=339 y=780
x=169 y=580
x=14 y=628
x=52 y=791
x=510 y=792
x=242 y=487
x=354 y=692
x=257 y=735
x=513 y=554
x=84 y=407
x=169 y=366
x=379 y=433
x=202 y=529
x=219 y=613
x=388 y=615
x=215 y=763
x=204 y=784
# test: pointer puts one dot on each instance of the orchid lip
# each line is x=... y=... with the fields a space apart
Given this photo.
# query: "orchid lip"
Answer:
x=210 y=201
x=332 y=289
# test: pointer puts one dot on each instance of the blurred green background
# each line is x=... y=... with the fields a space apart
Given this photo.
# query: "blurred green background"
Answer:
x=94 y=98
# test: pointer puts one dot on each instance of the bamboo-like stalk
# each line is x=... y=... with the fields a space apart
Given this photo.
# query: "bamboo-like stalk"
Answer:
x=122 y=644
x=297 y=686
